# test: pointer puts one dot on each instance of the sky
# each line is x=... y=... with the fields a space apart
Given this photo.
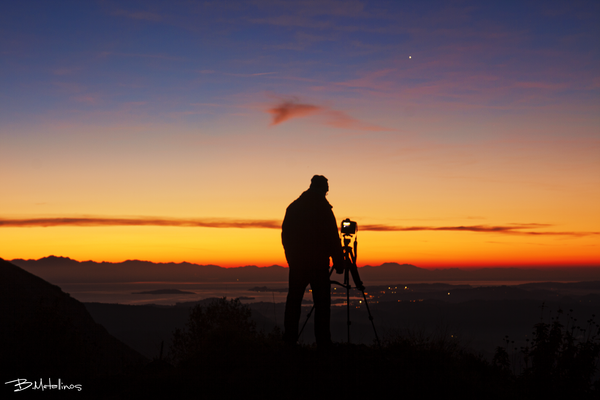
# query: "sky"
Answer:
x=455 y=133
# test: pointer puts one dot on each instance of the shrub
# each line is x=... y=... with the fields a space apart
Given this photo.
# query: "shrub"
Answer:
x=560 y=359
x=221 y=326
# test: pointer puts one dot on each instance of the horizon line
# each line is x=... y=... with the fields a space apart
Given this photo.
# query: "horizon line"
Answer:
x=521 y=266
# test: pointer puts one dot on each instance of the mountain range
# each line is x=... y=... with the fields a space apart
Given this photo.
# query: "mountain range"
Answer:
x=66 y=270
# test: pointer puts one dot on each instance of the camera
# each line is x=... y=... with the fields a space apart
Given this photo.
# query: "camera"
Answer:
x=348 y=227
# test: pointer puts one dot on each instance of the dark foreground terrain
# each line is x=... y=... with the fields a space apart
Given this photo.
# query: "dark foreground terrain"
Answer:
x=478 y=317
x=557 y=358
x=219 y=347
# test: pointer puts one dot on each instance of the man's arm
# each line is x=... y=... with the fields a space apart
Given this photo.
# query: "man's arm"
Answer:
x=335 y=245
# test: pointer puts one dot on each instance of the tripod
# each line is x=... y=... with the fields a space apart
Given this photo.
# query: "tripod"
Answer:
x=350 y=268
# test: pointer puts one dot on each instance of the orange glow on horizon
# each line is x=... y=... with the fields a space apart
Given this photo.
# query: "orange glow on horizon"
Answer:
x=233 y=247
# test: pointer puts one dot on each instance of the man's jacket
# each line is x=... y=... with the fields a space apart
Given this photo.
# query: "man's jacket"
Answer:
x=309 y=232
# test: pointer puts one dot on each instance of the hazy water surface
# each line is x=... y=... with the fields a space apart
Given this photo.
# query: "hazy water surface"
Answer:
x=122 y=293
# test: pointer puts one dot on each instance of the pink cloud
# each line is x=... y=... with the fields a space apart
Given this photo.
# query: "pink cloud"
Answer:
x=65 y=71
x=289 y=109
x=340 y=119
x=371 y=81
x=542 y=85
x=87 y=99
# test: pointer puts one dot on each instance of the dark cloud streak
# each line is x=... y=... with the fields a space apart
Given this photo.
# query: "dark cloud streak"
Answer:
x=138 y=221
x=510 y=229
x=290 y=109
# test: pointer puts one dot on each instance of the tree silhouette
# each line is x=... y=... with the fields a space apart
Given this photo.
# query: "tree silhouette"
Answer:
x=223 y=326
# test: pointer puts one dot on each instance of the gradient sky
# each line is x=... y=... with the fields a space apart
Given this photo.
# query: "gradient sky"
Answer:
x=461 y=133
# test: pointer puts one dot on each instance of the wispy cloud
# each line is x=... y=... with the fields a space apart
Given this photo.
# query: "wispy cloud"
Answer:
x=87 y=99
x=542 y=85
x=141 y=55
x=289 y=109
x=65 y=71
x=86 y=221
x=248 y=75
x=138 y=221
x=340 y=119
x=372 y=80
x=512 y=229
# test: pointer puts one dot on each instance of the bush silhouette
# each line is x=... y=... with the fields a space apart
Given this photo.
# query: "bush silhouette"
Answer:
x=561 y=360
x=222 y=326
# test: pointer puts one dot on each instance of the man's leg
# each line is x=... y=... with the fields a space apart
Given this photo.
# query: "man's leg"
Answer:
x=293 y=305
x=321 y=292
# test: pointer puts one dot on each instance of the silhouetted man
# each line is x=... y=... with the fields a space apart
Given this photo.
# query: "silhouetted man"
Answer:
x=310 y=237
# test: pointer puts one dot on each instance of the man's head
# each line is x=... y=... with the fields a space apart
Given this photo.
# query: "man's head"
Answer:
x=319 y=183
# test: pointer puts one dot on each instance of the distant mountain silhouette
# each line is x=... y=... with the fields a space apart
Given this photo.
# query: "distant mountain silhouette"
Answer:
x=64 y=270
x=393 y=272
x=46 y=333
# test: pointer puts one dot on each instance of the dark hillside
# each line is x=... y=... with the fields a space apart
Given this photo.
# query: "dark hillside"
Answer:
x=45 y=333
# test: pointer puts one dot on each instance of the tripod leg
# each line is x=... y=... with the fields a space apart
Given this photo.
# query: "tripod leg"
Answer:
x=348 y=310
x=359 y=285
x=305 y=322
x=371 y=319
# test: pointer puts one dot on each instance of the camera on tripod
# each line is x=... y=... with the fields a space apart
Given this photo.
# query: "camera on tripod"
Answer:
x=348 y=227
